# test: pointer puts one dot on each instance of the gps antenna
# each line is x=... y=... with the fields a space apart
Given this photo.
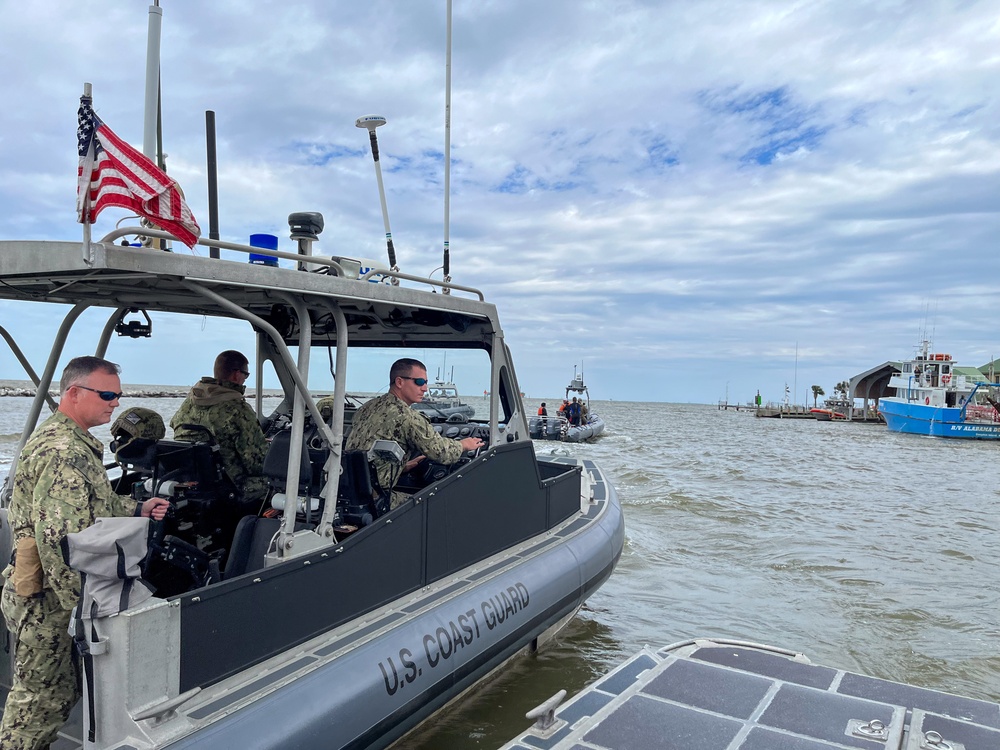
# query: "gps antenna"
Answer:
x=370 y=122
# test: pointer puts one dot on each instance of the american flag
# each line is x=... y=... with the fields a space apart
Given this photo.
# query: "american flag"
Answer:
x=112 y=173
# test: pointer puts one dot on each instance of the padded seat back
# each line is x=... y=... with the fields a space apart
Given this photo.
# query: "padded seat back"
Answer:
x=276 y=462
x=250 y=542
x=356 y=478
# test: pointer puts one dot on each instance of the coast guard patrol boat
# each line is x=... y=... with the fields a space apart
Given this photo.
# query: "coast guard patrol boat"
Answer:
x=324 y=621
x=333 y=623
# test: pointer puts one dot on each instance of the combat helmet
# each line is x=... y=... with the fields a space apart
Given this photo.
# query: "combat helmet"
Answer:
x=136 y=422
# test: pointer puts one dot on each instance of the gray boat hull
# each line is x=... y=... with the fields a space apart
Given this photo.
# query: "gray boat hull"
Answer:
x=557 y=428
x=413 y=656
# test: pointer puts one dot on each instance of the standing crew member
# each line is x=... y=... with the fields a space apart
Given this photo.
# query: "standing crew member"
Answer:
x=543 y=413
x=60 y=488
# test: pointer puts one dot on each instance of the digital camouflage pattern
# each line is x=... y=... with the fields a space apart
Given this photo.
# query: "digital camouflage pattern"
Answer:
x=386 y=417
x=223 y=411
x=60 y=487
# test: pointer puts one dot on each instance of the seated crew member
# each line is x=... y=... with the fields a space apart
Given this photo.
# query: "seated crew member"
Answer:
x=215 y=406
x=389 y=417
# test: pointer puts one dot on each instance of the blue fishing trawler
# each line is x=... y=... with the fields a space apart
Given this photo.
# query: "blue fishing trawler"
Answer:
x=935 y=397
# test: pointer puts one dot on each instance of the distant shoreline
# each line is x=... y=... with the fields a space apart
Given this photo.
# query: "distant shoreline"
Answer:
x=30 y=393
x=24 y=389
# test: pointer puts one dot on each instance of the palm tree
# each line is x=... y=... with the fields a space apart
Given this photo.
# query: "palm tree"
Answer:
x=817 y=392
x=842 y=388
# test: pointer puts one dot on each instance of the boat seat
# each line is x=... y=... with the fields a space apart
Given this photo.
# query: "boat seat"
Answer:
x=178 y=460
x=250 y=542
x=276 y=463
x=184 y=461
x=355 y=493
x=356 y=478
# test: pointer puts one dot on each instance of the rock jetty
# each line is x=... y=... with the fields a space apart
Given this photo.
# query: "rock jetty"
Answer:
x=129 y=393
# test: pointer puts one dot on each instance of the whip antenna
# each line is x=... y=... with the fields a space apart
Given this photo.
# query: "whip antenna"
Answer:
x=447 y=155
x=370 y=122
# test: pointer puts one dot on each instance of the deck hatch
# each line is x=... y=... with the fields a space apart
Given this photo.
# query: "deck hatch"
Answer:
x=761 y=738
x=769 y=665
x=898 y=694
x=972 y=736
x=640 y=724
x=825 y=716
x=717 y=689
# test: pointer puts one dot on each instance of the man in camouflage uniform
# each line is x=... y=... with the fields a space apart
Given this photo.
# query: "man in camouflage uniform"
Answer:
x=60 y=487
x=389 y=417
x=217 y=405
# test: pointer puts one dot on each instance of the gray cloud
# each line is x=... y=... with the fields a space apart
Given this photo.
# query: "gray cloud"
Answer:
x=679 y=193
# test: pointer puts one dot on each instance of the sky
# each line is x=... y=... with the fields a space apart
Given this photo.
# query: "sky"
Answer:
x=692 y=201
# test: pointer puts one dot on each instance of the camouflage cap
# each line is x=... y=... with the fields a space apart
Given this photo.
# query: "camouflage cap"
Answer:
x=138 y=422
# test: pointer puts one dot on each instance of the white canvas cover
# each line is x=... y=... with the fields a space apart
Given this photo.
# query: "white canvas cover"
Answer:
x=108 y=554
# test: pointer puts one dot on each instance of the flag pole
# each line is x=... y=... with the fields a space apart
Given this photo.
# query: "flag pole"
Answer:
x=88 y=90
x=152 y=81
x=152 y=102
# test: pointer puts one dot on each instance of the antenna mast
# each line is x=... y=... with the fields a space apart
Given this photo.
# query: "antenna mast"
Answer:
x=447 y=155
x=370 y=122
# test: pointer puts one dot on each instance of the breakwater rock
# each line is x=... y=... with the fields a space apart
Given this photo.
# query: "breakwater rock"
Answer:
x=129 y=393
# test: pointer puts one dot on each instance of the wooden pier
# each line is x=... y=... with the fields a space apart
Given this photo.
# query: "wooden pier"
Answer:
x=785 y=412
x=725 y=405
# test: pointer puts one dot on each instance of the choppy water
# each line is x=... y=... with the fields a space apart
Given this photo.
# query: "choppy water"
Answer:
x=863 y=549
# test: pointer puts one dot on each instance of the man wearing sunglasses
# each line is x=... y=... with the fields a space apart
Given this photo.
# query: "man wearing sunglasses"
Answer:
x=216 y=408
x=389 y=417
x=60 y=487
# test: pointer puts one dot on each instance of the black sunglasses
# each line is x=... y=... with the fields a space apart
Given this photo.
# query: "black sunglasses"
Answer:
x=418 y=381
x=103 y=395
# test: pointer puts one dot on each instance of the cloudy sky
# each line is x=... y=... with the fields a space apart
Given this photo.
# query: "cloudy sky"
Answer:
x=692 y=199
